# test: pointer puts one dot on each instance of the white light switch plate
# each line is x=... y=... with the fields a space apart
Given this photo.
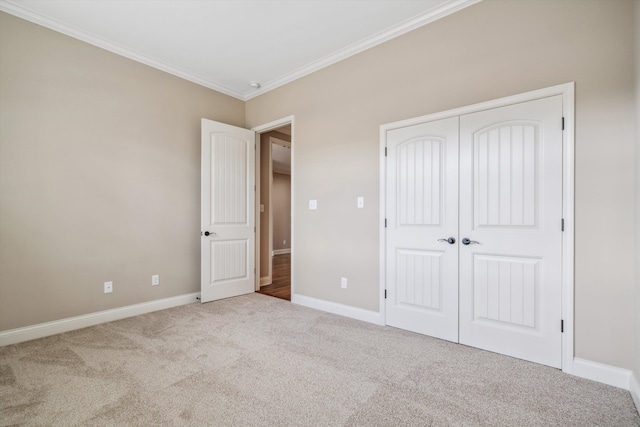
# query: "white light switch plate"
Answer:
x=360 y=202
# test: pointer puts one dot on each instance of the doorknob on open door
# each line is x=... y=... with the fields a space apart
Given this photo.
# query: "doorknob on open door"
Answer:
x=450 y=240
x=467 y=241
x=206 y=233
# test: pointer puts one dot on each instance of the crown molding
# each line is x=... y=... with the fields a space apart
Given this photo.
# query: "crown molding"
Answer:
x=77 y=33
x=13 y=8
x=355 y=48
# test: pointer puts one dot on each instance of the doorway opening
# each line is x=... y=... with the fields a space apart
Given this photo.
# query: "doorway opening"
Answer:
x=274 y=231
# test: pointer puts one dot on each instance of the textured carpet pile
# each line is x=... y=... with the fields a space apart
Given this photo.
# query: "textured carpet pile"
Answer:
x=260 y=361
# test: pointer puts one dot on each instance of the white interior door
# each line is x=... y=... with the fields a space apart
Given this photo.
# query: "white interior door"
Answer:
x=422 y=213
x=511 y=210
x=228 y=214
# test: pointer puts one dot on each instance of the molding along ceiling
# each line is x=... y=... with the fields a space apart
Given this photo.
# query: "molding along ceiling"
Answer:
x=225 y=44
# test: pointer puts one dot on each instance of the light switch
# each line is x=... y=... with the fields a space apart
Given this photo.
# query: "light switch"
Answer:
x=360 y=202
x=261 y=208
x=313 y=204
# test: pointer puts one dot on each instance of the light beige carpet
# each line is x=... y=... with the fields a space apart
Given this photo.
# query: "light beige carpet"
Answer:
x=259 y=361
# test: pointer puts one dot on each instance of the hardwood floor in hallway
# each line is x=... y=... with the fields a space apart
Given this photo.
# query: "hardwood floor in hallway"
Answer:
x=280 y=286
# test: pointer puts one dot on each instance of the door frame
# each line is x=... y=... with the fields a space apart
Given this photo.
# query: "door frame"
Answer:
x=289 y=120
x=567 y=91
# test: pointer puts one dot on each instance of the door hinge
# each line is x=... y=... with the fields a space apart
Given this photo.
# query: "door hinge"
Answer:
x=562 y=326
x=385 y=223
x=385 y=151
x=563 y=123
x=385 y=294
x=562 y=224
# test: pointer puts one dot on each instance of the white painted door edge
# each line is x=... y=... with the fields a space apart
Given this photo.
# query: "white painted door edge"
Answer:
x=567 y=90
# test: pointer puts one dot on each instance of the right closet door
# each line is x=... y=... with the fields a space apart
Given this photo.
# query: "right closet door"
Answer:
x=510 y=230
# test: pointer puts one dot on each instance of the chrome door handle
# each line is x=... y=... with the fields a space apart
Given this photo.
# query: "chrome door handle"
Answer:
x=450 y=240
x=467 y=241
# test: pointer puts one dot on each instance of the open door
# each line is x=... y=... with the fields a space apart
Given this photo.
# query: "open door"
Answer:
x=228 y=211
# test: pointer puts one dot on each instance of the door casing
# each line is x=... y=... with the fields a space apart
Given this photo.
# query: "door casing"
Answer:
x=567 y=91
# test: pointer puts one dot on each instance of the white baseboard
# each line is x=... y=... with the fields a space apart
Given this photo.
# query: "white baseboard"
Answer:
x=634 y=389
x=264 y=281
x=606 y=374
x=341 y=309
x=41 y=330
x=280 y=251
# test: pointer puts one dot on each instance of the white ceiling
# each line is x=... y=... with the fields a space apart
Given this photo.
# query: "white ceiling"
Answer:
x=225 y=44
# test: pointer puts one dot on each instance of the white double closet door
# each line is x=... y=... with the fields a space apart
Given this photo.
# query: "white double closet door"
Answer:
x=474 y=237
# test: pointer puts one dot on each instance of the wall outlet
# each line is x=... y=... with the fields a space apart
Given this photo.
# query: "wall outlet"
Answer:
x=108 y=287
x=155 y=280
x=343 y=283
x=284 y=242
x=313 y=204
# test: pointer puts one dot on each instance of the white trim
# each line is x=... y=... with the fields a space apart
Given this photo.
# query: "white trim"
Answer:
x=41 y=330
x=280 y=251
x=567 y=90
x=568 y=213
x=274 y=125
x=606 y=374
x=634 y=389
x=382 y=237
x=289 y=120
x=397 y=30
x=561 y=89
x=355 y=48
x=340 y=309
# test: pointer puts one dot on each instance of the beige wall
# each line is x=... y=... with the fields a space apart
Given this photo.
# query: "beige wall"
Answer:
x=99 y=177
x=636 y=366
x=489 y=50
x=281 y=211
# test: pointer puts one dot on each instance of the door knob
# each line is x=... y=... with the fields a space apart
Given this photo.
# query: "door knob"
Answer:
x=467 y=241
x=206 y=233
x=450 y=240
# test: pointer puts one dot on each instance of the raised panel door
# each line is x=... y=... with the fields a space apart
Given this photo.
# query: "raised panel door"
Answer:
x=228 y=237
x=511 y=211
x=422 y=210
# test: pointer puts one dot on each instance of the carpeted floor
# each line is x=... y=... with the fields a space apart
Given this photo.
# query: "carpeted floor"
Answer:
x=259 y=361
